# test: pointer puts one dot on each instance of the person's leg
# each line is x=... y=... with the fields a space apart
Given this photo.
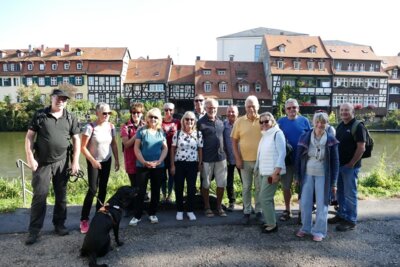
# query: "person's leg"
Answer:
x=320 y=227
x=191 y=176
x=164 y=178
x=179 y=184
x=287 y=180
x=220 y=179
x=350 y=193
x=155 y=175
x=104 y=174
x=306 y=202
x=229 y=183
x=257 y=205
x=247 y=175
x=340 y=194
x=93 y=176
x=267 y=193
x=132 y=179
x=60 y=181
x=141 y=182
x=207 y=171
x=40 y=186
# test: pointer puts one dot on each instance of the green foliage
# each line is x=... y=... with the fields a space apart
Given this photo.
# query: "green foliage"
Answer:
x=284 y=94
x=392 y=120
x=153 y=104
x=332 y=118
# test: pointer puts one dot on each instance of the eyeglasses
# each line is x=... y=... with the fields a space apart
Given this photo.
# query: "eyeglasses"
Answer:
x=153 y=117
x=198 y=100
x=168 y=109
x=262 y=122
x=293 y=107
x=189 y=119
x=136 y=112
x=106 y=113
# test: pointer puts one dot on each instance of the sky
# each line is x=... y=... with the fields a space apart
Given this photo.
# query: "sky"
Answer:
x=184 y=29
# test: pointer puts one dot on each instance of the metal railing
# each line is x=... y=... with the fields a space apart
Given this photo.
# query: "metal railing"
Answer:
x=21 y=164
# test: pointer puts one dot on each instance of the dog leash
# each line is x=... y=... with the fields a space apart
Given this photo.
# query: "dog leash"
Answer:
x=81 y=175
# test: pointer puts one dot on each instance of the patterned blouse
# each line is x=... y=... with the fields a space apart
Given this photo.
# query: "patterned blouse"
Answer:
x=187 y=145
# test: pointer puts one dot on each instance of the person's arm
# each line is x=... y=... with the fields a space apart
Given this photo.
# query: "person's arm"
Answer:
x=200 y=155
x=86 y=152
x=236 y=153
x=172 y=160
x=357 y=155
x=126 y=141
x=164 y=153
x=29 y=142
x=114 y=149
x=76 y=143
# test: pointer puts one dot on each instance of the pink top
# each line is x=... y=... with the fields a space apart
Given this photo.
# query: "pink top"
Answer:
x=170 y=128
x=129 y=130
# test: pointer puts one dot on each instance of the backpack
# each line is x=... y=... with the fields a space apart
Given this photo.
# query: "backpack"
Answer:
x=369 y=142
x=289 y=152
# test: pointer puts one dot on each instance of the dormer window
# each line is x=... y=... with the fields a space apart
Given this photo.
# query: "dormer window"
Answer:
x=20 y=53
x=321 y=65
x=2 y=54
x=54 y=66
x=243 y=88
x=371 y=67
x=310 y=65
x=282 y=48
x=30 y=66
x=338 y=66
x=280 y=64
x=58 y=52
x=39 y=53
x=78 y=52
x=221 y=72
x=66 y=66
x=312 y=49
x=258 y=87
x=296 y=65
x=222 y=87
x=5 y=67
x=394 y=73
x=207 y=72
x=350 y=67
x=41 y=66
x=362 y=67
x=79 y=66
x=157 y=73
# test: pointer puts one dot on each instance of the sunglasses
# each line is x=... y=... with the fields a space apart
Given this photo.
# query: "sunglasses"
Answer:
x=168 y=109
x=189 y=119
x=289 y=108
x=136 y=112
x=262 y=122
x=153 y=117
x=198 y=100
x=106 y=113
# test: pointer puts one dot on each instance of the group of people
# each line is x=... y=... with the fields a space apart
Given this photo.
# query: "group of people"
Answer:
x=168 y=152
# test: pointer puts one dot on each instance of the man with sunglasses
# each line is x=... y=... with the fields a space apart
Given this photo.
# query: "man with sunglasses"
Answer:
x=46 y=147
x=293 y=126
x=199 y=110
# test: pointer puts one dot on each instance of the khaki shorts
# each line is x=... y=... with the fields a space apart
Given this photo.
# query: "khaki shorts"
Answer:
x=287 y=178
x=218 y=169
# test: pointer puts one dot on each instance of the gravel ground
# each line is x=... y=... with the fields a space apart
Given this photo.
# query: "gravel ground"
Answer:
x=375 y=242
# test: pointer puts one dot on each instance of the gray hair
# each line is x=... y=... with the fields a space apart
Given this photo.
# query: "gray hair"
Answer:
x=320 y=116
x=169 y=105
x=270 y=117
x=234 y=107
x=293 y=101
x=210 y=101
x=254 y=100
x=101 y=106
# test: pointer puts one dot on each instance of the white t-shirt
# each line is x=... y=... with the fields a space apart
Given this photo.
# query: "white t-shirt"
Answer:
x=99 y=144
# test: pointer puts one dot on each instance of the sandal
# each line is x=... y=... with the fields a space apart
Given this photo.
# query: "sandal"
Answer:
x=285 y=216
x=209 y=213
x=222 y=213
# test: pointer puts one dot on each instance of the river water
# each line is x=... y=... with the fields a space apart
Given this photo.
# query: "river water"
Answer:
x=12 y=148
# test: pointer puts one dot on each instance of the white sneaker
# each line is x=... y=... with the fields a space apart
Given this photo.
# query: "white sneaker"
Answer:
x=134 y=221
x=191 y=216
x=153 y=219
x=179 y=216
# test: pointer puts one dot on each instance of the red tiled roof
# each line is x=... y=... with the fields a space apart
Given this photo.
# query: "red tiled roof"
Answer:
x=303 y=70
x=295 y=46
x=181 y=74
x=359 y=52
x=105 y=68
x=390 y=62
x=148 y=70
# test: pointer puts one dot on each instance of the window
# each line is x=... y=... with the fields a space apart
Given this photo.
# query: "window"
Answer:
x=41 y=81
x=343 y=82
x=222 y=87
x=371 y=100
x=156 y=88
x=78 y=96
x=53 y=81
x=54 y=66
x=58 y=53
x=296 y=65
x=394 y=90
x=371 y=67
x=338 y=100
x=78 y=80
x=6 y=81
x=356 y=82
x=91 y=80
x=65 y=80
x=102 y=81
x=78 y=66
x=356 y=66
x=282 y=48
x=206 y=72
x=371 y=82
x=30 y=66
x=393 y=106
x=66 y=66
x=338 y=66
x=321 y=65
x=243 y=88
x=207 y=87
x=29 y=81
x=16 y=82
x=113 y=99
x=257 y=49
x=221 y=72
x=355 y=100
x=280 y=64
x=258 y=87
x=291 y=83
x=41 y=66
x=313 y=49
x=102 y=98
x=12 y=67
x=310 y=65
x=224 y=102
x=5 y=67
x=112 y=81
x=362 y=67
x=350 y=67
x=394 y=73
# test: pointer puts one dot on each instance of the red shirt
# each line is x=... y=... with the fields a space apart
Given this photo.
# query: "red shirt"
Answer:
x=129 y=130
x=170 y=128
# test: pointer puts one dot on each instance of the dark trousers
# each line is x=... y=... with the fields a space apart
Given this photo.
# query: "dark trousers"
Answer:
x=132 y=179
x=142 y=177
x=56 y=171
x=185 y=170
x=167 y=179
x=230 y=182
x=97 y=178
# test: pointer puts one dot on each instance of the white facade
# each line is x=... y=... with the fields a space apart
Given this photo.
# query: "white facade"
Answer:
x=241 y=48
x=9 y=86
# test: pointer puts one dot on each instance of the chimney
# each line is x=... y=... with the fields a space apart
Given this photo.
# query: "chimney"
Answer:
x=42 y=48
x=198 y=58
x=231 y=57
x=147 y=57
x=30 y=48
x=281 y=33
x=398 y=54
x=66 y=48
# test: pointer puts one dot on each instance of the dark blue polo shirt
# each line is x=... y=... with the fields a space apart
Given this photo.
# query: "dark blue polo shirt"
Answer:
x=213 y=139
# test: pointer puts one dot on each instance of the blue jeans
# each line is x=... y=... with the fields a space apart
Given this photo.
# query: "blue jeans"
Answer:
x=320 y=226
x=347 y=193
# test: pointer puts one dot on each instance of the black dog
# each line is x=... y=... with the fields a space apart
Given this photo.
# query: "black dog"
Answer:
x=97 y=240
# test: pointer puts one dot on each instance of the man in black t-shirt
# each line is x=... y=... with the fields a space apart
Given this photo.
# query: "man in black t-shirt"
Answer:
x=46 y=147
x=351 y=149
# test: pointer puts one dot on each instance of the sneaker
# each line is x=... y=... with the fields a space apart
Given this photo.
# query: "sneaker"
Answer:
x=32 y=239
x=285 y=216
x=245 y=219
x=179 y=216
x=153 y=219
x=134 y=221
x=260 y=217
x=61 y=230
x=269 y=229
x=335 y=220
x=317 y=238
x=301 y=234
x=84 y=225
x=345 y=226
x=191 y=216
x=231 y=207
